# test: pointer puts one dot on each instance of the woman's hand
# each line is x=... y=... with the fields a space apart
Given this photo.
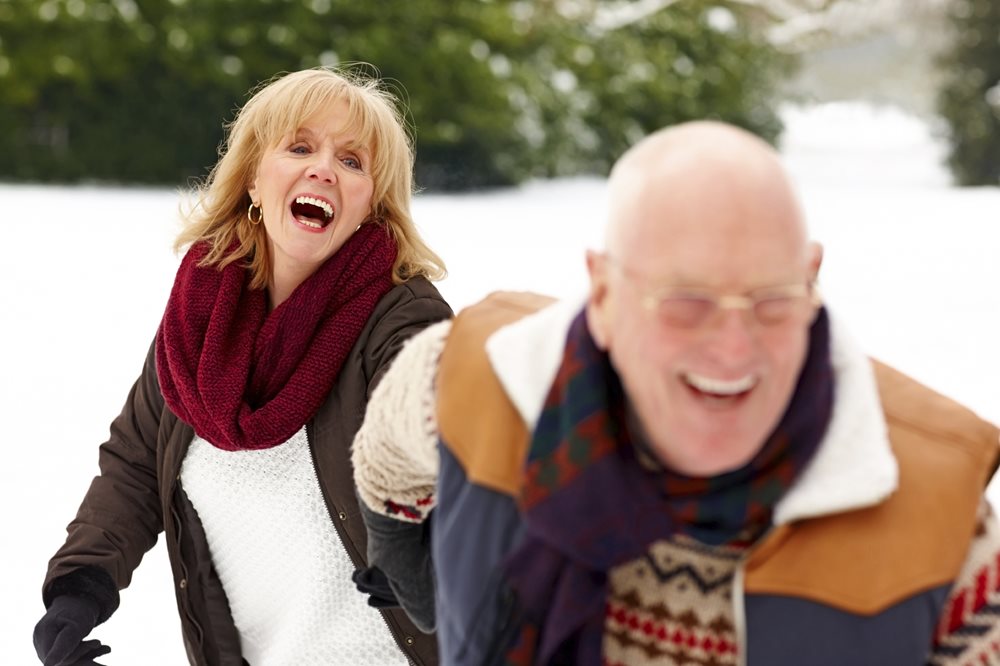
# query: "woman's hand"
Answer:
x=59 y=635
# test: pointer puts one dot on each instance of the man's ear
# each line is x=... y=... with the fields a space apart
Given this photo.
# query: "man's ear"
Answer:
x=814 y=259
x=598 y=303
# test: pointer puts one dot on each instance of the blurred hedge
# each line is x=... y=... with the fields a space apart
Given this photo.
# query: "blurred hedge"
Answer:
x=970 y=98
x=136 y=91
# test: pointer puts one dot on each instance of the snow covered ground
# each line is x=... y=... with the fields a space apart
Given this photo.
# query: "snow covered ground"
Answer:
x=910 y=262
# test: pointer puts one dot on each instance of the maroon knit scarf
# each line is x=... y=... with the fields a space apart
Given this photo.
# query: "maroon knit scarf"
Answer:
x=245 y=378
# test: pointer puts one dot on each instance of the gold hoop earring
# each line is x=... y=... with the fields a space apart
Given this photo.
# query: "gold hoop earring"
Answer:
x=260 y=215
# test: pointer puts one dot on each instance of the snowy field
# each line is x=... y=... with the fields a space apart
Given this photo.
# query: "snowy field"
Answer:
x=910 y=262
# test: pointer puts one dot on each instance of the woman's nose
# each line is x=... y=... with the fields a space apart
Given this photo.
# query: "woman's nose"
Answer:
x=321 y=169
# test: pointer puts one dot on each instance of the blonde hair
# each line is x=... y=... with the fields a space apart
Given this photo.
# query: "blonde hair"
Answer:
x=276 y=109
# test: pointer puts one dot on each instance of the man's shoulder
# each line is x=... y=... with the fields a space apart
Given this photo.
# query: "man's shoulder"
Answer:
x=477 y=419
x=500 y=308
x=917 y=538
x=913 y=410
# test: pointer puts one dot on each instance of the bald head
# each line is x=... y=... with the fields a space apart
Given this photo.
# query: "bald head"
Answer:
x=706 y=178
x=703 y=209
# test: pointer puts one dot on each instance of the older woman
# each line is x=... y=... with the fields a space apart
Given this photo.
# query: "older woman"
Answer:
x=305 y=275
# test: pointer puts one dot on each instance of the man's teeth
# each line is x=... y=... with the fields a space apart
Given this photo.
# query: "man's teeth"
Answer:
x=327 y=208
x=720 y=386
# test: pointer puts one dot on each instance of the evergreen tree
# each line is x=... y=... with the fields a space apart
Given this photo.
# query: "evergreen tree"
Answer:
x=970 y=99
x=497 y=90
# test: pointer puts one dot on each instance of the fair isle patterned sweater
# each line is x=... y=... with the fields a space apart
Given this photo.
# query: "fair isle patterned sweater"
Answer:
x=674 y=606
x=969 y=633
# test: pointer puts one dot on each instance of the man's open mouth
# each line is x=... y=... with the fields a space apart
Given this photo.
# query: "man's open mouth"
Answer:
x=720 y=390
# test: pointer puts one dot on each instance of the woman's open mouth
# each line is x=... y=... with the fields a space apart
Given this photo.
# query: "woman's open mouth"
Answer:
x=312 y=212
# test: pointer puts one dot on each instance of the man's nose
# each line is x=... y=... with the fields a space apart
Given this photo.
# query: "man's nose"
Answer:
x=732 y=337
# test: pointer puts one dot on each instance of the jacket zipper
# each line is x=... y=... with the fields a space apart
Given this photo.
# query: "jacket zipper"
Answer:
x=185 y=574
x=340 y=537
x=739 y=614
x=507 y=627
x=739 y=599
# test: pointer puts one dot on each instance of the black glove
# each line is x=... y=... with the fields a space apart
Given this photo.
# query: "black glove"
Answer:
x=372 y=581
x=59 y=635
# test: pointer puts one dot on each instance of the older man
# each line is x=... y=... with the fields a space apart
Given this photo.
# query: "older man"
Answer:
x=696 y=466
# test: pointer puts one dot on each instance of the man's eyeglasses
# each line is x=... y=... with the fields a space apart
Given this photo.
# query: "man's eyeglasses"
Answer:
x=683 y=307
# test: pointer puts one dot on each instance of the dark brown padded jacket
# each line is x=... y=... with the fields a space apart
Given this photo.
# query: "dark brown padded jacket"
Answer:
x=138 y=493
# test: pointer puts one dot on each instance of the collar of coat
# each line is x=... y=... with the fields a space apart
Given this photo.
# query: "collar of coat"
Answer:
x=853 y=468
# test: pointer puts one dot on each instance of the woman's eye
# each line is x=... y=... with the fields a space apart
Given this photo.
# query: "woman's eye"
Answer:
x=353 y=163
x=299 y=149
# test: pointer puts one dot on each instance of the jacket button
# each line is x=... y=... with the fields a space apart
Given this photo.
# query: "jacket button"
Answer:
x=342 y=515
x=184 y=583
x=409 y=640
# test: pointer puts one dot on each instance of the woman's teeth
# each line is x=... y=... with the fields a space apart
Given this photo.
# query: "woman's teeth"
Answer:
x=319 y=203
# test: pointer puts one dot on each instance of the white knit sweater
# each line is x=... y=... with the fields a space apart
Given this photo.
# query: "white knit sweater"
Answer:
x=280 y=560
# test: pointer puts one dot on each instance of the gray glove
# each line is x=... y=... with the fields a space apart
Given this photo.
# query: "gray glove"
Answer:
x=402 y=551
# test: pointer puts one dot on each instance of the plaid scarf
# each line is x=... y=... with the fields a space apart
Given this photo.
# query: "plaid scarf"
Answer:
x=246 y=378
x=588 y=504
